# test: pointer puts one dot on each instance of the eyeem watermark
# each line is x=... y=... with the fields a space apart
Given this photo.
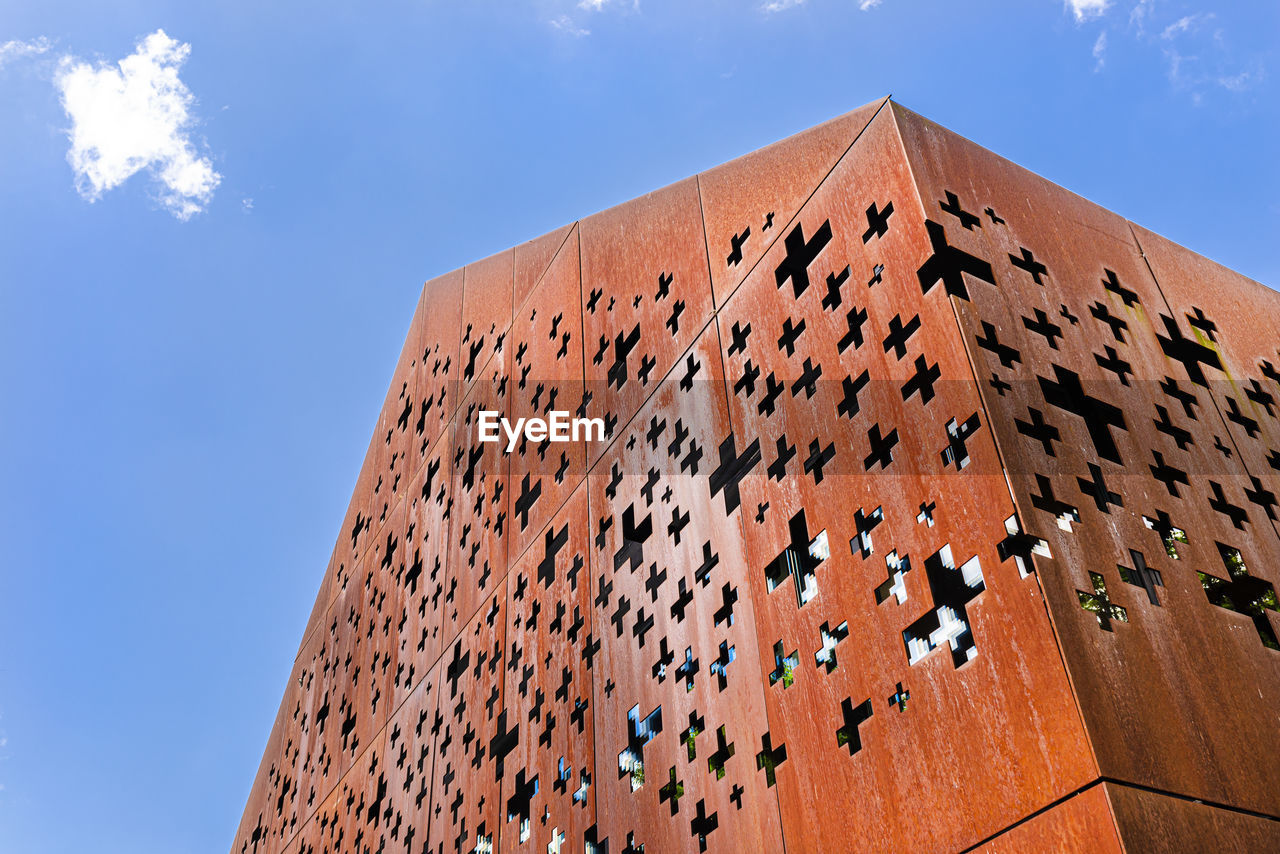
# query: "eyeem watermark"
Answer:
x=558 y=426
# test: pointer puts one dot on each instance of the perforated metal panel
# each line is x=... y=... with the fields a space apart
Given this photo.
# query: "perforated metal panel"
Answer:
x=936 y=511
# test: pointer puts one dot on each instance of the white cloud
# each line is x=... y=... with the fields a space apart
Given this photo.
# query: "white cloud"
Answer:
x=1100 y=51
x=566 y=25
x=867 y=5
x=1140 y=15
x=14 y=49
x=134 y=116
x=779 y=5
x=1242 y=81
x=1185 y=24
x=1087 y=10
x=593 y=5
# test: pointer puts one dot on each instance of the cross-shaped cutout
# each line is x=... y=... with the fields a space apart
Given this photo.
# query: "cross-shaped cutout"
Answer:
x=826 y=654
x=899 y=332
x=702 y=824
x=952 y=206
x=950 y=264
x=800 y=254
x=1064 y=514
x=895 y=584
x=723 y=753
x=735 y=253
x=863 y=524
x=881 y=448
x=1044 y=327
x=799 y=560
x=639 y=733
x=1112 y=285
x=720 y=666
x=952 y=589
x=1141 y=575
x=989 y=341
x=1242 y=593
x=1099 y=603
x=1192 y=354
x=731 y=470
x=854 y=716
x=769 y=758
x=672 y=791
x=956 y=453
x=1067 y=393
x=784 y=670
x=1096 y=488
x=877 y=222
x=1169 y=533
x=1028 y=262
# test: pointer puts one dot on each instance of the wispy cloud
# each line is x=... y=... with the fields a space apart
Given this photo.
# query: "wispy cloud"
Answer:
x=1198 y=57
x=599 y=5
x=133 y=116
x=1140 y=14
x=566 y=25
x=1185 y=24
x=1194 y=47
x=1244 y=80
x=1100 y=51
x=1087 y=10
x=779 y=5
x=14 y=50
x=867 y=5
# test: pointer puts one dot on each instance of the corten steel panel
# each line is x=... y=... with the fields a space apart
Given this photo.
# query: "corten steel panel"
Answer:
x=680 y=715
x=532 y=259
x=1162 y=690
x=310 y=758
x=829 y=341
x=357 y=529
x=409 y=760
x=439 y=365
x=320 y=608
x=793 y=598
x=254 y=833
x=394 y=440
x=486 y=314
x=546 y=376
x=423 y=571
x=548 y=788
x=298 y=764
x=363 y=801
x=368 y=644
x=1221 y=310
x=746 y=201
x=1152 y=822
x=325 y=832
x=475 y=736
x=481 y=525
x=351 y=726
x=646 y=296
x=1083 y=822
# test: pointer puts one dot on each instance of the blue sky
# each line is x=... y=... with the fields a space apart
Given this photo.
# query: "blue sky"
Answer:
x=201 y=302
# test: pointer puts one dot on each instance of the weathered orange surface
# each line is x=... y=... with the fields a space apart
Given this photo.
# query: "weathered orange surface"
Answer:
x=937 y=511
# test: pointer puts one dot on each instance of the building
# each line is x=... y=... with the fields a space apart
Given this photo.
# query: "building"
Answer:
x=938 y=512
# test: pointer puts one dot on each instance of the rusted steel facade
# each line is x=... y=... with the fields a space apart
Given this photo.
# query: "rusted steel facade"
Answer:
x=936 y=512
